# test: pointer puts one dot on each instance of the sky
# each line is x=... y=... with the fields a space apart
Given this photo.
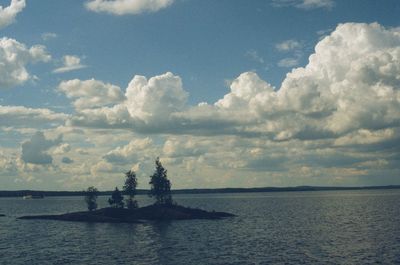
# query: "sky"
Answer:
x=227 y=93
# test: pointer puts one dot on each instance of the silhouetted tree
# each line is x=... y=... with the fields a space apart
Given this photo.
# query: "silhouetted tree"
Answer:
x=116 y=199
x=130 y=189
x=91 y=198
x=160 y=185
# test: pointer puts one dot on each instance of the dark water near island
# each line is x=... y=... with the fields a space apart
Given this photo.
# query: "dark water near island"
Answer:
x=329 y=227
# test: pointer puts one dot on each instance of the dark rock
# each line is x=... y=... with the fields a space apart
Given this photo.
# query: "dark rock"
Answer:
x=121 y=215
x=2 y=215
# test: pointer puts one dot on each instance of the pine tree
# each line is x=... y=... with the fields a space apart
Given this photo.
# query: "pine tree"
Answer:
x=130 y=189
x=91 y=198
x=160 y=185
x=116 y=200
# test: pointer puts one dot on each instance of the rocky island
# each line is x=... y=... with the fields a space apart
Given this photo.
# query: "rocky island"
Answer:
x=164 y=207
x=122 y=215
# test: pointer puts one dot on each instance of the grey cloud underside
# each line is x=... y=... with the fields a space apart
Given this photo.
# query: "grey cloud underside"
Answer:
x=34 y=151
x=176 y=126
x=67 y=160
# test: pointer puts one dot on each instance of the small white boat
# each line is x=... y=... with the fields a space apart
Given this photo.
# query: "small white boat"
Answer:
x=27 y=197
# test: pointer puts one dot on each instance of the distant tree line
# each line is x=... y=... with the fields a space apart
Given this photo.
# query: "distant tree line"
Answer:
x=160 y=189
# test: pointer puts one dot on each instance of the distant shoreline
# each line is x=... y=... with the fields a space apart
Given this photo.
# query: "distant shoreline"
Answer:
x=20 y=193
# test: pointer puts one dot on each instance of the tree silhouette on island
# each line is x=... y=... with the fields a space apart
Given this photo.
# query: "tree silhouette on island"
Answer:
x=91 y=198
x=116 y=200
x=163 y=208
x=160 y=190
x=130 y=189
x=160 y=185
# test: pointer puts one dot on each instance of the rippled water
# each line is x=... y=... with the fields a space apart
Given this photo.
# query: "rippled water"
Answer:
x=330 y=227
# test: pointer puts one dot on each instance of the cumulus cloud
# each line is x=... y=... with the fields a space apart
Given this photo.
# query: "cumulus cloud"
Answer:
x=101 y=167
x=8 y=14
x=130 y=152
x=34 y=151
x=14 y=57
x=186 y=147
x=126 y=7
x=351 y=83
x=91 y=93
x=70 y=63
x=164 y=92
x=62 y=149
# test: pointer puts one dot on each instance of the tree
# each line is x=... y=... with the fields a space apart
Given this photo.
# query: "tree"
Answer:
x=160 y=185
x=130 y=189
x=116 y=199
x=91 y=198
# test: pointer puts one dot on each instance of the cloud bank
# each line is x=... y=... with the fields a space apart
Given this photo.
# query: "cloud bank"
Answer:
x=351 y=83
x=335 y=121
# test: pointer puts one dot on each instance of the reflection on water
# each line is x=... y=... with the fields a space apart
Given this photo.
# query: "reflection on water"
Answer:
x=332 y=227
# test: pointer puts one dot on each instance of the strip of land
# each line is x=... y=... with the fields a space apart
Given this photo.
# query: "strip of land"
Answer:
x=20 y=193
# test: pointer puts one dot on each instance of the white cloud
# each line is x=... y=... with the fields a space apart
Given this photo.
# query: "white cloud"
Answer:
x=125 y=7
x=8 y=14
x=292 y=46
x=186 y=147
x=288 y=45
x=254 y=56
x=164 y=92
x=14 y=56
x=288 y=62
x=62 y=149
x=131 y=152
x=367 y=137
x=91 y=93
x=101 y=167
x=350 y=83
x=34 y=151
x=305 y=4
x=70 y=63
x=312 y=4
x=19 y=116
x=48 y=36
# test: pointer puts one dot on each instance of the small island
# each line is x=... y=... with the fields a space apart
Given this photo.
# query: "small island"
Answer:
x=122 y=215
x=163 y=209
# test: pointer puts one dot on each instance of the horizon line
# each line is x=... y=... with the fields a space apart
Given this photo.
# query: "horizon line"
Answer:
x=12 y=193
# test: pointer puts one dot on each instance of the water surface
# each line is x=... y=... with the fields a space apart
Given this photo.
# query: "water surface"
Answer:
x=328 y=227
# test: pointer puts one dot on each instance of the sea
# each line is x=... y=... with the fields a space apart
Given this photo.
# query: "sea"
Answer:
x=311 y=227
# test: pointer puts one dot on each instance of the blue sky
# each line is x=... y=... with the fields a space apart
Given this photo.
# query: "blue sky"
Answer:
x=87 y=119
